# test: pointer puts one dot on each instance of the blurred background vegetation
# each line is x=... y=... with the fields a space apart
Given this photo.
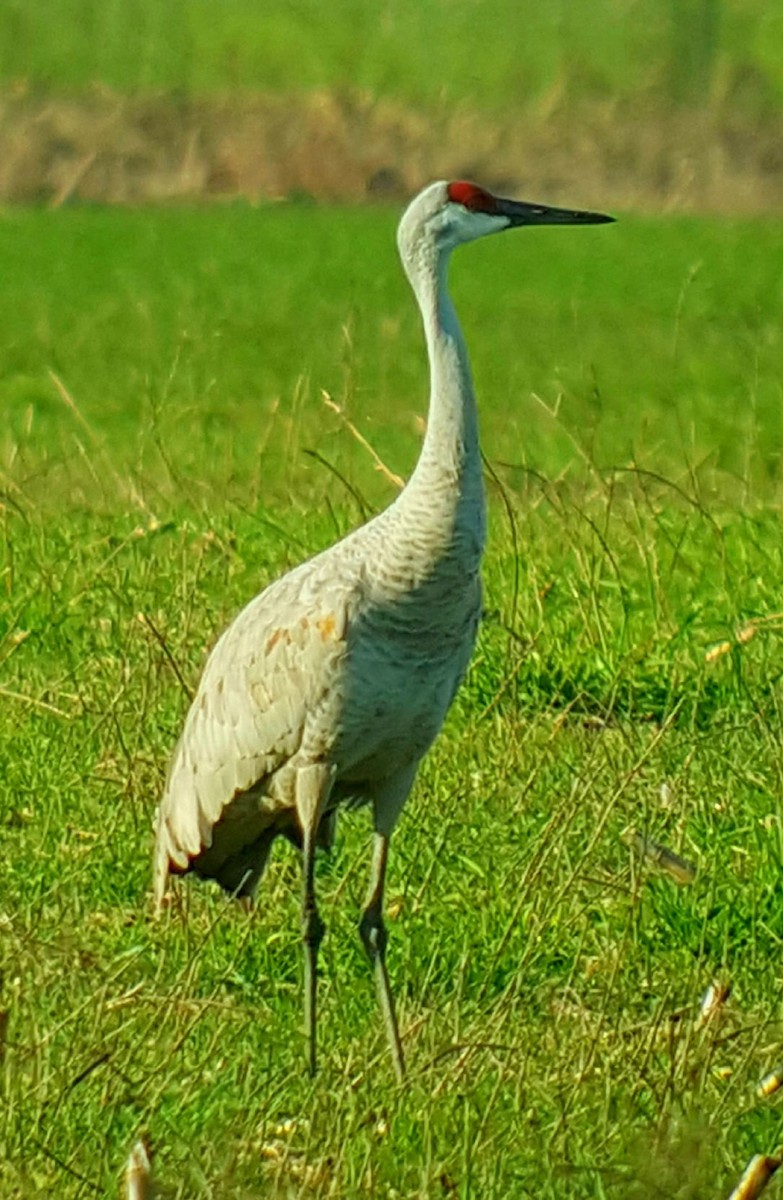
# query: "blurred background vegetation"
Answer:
x=663 y=91
x=422 y=52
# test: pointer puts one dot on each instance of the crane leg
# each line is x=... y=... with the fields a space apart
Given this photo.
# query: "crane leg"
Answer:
x=313 y=930
x=373 y=934
x=312 y=788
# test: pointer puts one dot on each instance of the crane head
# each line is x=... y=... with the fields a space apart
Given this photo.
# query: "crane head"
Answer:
x=507 y=214
x=448 y=214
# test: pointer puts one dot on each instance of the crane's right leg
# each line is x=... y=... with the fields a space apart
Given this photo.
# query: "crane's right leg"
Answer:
x=387 y=806
x=313 y=784
x=373 y=935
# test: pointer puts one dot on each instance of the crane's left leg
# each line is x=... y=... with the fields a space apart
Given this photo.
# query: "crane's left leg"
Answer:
x=373 y=935
x=313 y=784
x=313 y=930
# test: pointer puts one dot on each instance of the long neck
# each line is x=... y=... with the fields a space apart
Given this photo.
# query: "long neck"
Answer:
x=432 y=538
x=446 y=485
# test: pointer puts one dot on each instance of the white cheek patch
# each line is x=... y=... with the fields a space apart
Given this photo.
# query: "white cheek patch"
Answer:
x=466 y=225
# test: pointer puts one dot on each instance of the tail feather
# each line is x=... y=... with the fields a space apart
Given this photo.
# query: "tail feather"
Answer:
x=241 y=873
x=161 y=865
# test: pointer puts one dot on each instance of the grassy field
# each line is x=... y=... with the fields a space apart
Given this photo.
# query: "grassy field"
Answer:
x=723 y=52
x=161 y=382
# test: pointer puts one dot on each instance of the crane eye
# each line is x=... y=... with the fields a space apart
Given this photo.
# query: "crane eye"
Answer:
x=471 y=196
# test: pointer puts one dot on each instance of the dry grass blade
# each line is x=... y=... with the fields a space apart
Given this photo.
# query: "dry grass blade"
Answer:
x=364 y=509
x=124 y=488
x=32 y=702
x=147 y=621
x=681 y=871
x=380 y=465
x=70 y=403
x=742 y=636
x=712 y=1003
x=757 y=1175
x=72 y=179
x=771 y=1083
x=138 y=1173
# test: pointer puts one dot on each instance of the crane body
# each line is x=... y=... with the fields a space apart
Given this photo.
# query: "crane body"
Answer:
x=330 y=686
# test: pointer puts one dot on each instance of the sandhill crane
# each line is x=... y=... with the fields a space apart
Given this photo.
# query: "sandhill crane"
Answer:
x=329 y=686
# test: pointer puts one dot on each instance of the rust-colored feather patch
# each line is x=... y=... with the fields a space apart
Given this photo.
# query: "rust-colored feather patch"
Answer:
x=275 y=637
x=326 y=626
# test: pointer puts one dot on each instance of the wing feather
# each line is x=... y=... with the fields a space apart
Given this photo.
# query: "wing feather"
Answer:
x=267 y=677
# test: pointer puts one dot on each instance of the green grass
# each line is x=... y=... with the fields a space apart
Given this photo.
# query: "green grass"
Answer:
x=722 y=52
x=160 y=382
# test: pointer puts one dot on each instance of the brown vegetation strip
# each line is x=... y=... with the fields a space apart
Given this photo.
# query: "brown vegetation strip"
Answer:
x=108 y=148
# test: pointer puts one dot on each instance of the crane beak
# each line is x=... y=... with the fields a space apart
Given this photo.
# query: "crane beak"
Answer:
x=519 y=212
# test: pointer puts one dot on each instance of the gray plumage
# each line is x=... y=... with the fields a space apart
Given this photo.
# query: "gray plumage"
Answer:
x=330 y=686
